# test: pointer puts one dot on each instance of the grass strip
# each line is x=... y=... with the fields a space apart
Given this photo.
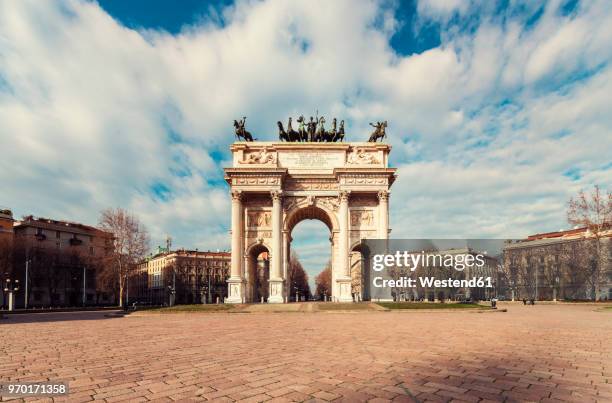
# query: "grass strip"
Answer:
x=426 y=305
x=194 y=308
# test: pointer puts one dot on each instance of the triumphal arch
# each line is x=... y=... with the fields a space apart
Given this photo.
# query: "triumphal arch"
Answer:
x=275 y=185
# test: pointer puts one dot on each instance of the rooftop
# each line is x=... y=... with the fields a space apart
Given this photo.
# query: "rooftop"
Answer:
x=32 y=221
x=6 y=213
x=192 y=253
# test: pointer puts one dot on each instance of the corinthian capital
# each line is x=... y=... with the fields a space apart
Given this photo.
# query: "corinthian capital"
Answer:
x=344 y=195
x=383 y=195
x=236 y=195
x=276 y=195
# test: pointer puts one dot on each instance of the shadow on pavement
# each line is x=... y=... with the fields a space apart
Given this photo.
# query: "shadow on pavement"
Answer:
x=9 y=318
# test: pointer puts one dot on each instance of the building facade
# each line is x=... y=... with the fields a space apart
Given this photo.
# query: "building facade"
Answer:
x=6 y=251
x=569 y=265
x=181 y=277
x=6 y=225
x=62 y=263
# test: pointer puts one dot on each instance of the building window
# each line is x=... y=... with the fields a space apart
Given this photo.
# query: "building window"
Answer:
x=57 y=234
x=157 y=280
x=91 y=250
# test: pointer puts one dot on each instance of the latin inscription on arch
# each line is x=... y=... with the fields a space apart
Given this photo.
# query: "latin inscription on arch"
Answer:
x=316 y=160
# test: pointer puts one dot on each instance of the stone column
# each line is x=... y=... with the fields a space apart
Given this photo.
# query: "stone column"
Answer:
x=344 y=277
x=383 y=214
x=276 y=275
x=286 y=242
x=236 y=280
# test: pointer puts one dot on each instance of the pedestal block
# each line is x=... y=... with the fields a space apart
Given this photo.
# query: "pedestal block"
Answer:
x=276 y=291
x=236 y=290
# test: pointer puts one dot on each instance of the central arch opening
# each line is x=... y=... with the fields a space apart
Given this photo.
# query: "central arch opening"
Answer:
x=258 y=268
x=310 y=230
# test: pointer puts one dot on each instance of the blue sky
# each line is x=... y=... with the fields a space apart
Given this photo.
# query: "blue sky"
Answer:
x=498 y=111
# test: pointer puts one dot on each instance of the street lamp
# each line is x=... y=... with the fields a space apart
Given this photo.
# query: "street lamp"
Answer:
x=171 y=295
x=203 y=293
x=10 y=287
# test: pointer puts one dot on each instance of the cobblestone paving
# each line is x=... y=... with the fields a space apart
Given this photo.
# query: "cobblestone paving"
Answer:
x=543 y=353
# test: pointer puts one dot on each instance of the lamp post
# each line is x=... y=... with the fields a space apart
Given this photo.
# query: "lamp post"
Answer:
x=10 y=287
x=536 y=281
x=204 y=293
x=27 y=267
x=208 y=288
x=172 y=289
x=84 y=285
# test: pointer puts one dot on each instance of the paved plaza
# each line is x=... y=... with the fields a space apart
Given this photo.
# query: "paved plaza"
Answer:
x=541 y=353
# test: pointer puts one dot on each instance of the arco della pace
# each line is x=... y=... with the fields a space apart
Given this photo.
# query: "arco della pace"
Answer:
x=275 y=185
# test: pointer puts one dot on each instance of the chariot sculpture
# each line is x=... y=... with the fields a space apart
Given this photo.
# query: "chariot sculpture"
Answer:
x=312 y=130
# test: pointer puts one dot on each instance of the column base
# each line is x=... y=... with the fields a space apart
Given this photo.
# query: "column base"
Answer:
x=276 y=291
x=344 y=290
x=236 y=290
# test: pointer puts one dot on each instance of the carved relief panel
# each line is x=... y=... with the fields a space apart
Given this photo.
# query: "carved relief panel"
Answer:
x=362 y=218
x=362 y=156
x=259 y=219
x=363 y=180
x=309 y=184
x=259 y=157
x=330 y=202
x=251 y=180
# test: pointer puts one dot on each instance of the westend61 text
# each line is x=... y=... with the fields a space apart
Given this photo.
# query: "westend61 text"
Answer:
x=412 y=260
x=407 y=282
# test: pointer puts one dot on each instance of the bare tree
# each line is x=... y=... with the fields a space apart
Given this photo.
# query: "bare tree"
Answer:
x=323 y=281
x=131 y=243
x=593 y=212
x=298 y=277
x=553 y=269
x=574 y=258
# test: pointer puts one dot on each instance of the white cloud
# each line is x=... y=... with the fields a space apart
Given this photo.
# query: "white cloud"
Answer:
x=483 y=127
x=442 y=9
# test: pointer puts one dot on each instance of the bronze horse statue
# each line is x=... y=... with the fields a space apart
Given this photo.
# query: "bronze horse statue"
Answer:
x=241 y=132
x=292 y=134
x=340 y=134
x=379 y=131
x=282 y=134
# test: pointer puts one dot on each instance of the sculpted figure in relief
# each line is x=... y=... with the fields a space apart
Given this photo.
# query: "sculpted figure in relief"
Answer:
x=262 y=157
x=360 y=156
x=259 y=219
x=362 y=217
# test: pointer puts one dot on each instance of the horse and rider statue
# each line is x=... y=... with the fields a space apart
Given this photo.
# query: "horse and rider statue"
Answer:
x=241 y=132
x=311 y=131
x=379 y=132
